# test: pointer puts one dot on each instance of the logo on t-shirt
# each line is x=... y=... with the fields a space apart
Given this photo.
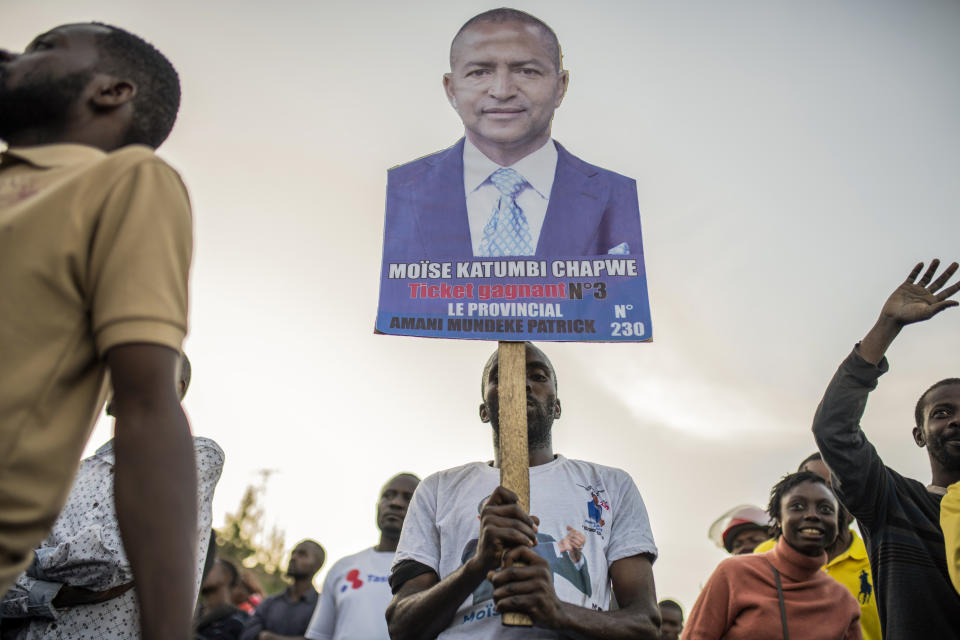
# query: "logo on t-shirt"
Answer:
x=597 y=509
x=13 y=190
x=866 y=589
x=353 y=577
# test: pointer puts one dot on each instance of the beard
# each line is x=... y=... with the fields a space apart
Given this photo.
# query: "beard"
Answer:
x=388 y=530
x=39 y=101
x=947 y=456
x=539 y=421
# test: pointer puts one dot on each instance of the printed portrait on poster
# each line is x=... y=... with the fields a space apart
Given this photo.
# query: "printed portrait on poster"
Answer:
x=507 y=188
x=508 y=191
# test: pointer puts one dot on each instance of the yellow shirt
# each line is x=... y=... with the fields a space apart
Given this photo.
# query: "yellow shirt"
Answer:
x=94 y=252
x=950 y=523
x=852 y=569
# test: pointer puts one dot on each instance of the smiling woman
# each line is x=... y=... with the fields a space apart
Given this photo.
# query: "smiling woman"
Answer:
x=805 y=511
x=783 y=592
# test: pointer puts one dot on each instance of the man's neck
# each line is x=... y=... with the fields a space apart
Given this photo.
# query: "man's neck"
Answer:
x=508 y=154
x=536 y=457
x=34 y=138
x=943 y=477
x=386 y=543
x=38 y=137
x=300 y=586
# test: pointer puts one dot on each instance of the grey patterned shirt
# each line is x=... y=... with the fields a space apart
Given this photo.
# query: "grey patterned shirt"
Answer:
x=84 y=549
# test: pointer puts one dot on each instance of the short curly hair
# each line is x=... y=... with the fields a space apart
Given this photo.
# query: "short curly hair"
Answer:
x=785 y=484
x=157 y=101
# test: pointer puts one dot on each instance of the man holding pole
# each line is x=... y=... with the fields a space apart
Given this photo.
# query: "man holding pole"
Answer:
x=436 y=589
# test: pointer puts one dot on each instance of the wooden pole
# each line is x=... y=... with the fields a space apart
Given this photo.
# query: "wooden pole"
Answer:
x=514 y=449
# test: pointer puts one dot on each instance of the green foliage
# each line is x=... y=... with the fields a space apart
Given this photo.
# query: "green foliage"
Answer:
x=244 y=540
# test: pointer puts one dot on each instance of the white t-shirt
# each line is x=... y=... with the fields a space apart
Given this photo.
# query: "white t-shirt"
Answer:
x=571 y=498
x=355 y=596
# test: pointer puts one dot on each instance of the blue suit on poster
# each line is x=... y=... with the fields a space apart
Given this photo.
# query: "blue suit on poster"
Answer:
x=561 y=566
x=591 y=211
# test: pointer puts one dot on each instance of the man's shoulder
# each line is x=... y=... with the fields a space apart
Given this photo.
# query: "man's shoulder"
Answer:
x=208 y=452
x=124 y=158
x=911 y=490
x=446 y=475
x=904 y=488
x=133 y=153
x=453 y=479
x=442 y=487
x=273 y=598
x=591 y=170
x=83 y=159
x=351 y=559
x=137 y=156
x=594 y=468
x=97 y=174
x=415 y=169
x=751 y=563
x=269 y=601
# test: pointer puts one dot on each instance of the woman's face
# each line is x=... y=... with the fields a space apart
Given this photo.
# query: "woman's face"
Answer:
x=808 y=517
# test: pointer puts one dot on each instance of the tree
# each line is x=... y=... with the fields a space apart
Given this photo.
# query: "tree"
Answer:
x=244 y=538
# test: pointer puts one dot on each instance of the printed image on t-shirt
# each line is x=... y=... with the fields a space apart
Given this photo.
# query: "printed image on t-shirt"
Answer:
x=565 y=557
x=595 y=510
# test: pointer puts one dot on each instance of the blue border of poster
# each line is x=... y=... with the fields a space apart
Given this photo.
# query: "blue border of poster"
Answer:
x=581 y=299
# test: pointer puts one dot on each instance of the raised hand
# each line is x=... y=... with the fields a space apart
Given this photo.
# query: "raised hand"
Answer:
x=503 y=525
x=915 y=300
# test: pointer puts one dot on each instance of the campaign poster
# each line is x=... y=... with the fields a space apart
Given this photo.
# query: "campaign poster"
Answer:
x=507 y=235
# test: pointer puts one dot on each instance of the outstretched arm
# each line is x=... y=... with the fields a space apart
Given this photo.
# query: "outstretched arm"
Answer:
x=859 y=473
x=913 y=301
x=155 y=486
x=425 y=605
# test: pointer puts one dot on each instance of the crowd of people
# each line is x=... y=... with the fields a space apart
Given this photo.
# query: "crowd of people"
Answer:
x=122 y=548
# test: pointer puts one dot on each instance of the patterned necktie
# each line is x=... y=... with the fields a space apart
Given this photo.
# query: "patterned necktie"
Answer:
x=508 y=232
x=950 y=523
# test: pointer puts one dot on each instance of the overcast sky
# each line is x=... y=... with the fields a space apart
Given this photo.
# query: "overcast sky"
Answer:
x=794 y=160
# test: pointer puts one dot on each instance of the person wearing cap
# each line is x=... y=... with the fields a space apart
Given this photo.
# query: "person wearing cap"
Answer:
x=741 y=529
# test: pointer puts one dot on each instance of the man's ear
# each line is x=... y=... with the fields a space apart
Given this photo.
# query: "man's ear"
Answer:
x=556 y=408
x=484 y=412
x=111 y=93
x=448 y=89
x=564 y=81
x=919 y=437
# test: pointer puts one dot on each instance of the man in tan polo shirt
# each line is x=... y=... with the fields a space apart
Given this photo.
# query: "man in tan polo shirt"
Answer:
x=95 y=245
